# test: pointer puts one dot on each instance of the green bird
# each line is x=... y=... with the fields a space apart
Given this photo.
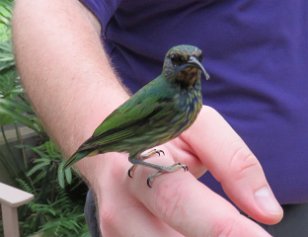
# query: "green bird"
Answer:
x=157 y=113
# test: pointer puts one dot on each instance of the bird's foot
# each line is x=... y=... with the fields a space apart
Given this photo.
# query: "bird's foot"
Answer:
x=166 y=169
x=145 y=156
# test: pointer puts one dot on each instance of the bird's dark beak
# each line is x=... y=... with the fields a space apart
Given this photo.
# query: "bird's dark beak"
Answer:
x=195 y=62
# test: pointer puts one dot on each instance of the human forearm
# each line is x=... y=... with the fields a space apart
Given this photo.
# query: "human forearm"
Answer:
x=64 y=70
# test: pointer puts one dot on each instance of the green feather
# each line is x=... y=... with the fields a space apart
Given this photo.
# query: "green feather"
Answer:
x=76 y=157
x=158 y=112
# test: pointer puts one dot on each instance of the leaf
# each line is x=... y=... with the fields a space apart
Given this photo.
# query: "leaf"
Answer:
x=5 y=119
x=6 y=56
x=7 y=110
x=5 y=12
x=41 y=163
x=24 y=185
x=68 y=175
x=61 y=175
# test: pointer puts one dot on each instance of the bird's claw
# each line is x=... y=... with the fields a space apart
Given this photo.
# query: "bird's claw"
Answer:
x=164 y=170
x=183 y=166
x=150 y=181
x=131 y=171
x=150 y=153
x=159 y=152
x=144 y=157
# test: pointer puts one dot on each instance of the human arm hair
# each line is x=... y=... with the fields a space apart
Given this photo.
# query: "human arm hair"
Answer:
x=65 y=71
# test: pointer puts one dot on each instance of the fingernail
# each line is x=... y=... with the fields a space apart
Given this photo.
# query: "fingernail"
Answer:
x=267 y=201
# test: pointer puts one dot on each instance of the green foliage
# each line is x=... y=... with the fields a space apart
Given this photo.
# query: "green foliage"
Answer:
x=5 y=17
x=13 y=105
x=48 y=163
x=6 y=56
x=52 y=211
x=35 y=165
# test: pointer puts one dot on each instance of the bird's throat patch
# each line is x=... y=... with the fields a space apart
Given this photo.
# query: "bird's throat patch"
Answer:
x=187 y=77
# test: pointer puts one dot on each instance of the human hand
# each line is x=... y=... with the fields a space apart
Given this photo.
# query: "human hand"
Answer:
x=178 y=204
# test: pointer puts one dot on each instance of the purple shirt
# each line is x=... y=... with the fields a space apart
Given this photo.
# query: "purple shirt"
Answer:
x=257 y=55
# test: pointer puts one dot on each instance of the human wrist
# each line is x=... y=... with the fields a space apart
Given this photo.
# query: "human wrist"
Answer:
x=101 y=171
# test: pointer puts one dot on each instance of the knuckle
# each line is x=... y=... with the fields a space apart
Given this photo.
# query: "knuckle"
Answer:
x=243 y=162
x=225 y=227
x=107 y=216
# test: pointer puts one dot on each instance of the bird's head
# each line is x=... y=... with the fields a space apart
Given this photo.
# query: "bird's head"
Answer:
x=182 y=65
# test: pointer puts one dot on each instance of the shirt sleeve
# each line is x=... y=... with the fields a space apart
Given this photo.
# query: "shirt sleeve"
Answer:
x=103 y=10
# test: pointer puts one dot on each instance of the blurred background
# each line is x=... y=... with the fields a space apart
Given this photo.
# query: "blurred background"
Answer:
x=29 y=160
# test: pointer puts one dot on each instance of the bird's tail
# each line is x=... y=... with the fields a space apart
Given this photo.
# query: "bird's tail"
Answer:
x=78 y=155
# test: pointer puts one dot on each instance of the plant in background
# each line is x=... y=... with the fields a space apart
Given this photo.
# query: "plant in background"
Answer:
x=53 y=209
x=33 y=164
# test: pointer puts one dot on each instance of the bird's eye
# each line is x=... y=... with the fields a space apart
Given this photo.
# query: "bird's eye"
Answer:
x=177 y=59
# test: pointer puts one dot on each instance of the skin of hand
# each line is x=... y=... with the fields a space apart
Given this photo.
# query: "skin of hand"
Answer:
x=67 y=76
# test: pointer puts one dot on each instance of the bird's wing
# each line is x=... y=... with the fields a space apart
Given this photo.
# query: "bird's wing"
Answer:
x=123 y=122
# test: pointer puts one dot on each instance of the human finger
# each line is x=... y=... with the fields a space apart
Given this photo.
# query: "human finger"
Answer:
x=233 y=164
x=190 y=207
x=181 y=152
x=133 y=219
x=120 y=213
